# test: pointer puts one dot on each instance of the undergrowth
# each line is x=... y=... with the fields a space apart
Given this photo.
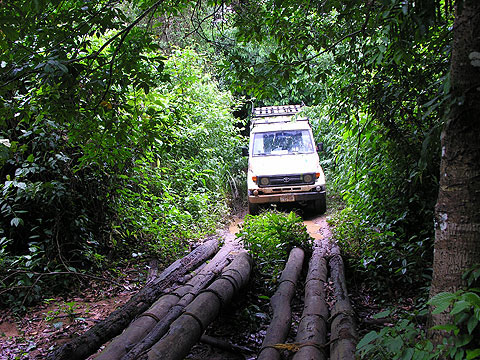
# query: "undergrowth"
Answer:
x=379 y=255
x=142 y=176
x=409 y=337
x=270 y=236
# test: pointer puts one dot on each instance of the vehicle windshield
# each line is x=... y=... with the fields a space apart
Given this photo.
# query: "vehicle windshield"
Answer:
x=282 y=142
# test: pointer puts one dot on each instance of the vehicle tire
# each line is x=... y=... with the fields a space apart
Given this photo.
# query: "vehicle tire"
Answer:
x=253 y=209
x=320 y=205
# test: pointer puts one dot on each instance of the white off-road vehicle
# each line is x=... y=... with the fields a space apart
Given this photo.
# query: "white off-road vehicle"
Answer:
x=283 y=164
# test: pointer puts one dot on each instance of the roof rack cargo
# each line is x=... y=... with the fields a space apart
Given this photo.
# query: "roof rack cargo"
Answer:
x=275 y=114
x=275 y=110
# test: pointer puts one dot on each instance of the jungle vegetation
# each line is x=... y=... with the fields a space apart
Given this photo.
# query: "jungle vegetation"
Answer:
x=121 y=123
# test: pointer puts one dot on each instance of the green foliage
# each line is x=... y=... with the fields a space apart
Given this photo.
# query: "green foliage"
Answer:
x=270 y=236
x=176 y=192
x=378 y=86
x=463 y=307
x=407 y=339
x=385 y=228
x=111 y=149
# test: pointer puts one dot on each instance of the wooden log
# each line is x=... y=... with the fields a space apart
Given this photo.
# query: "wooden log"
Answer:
x=185 y=331
x=192 y=274
x=140 y=327
x=148 y=331
x=312 y=330
x=88 y=343
x=280 y=302
x=343 y=340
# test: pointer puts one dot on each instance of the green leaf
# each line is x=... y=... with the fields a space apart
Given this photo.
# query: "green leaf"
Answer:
x=472 y=298
x=446 y=327
x=463 y=340
x=459 y=307
x=407 y=354
x=368 y=338
x=16 y=222
x=472 y=324
x=441 y=301
x=394 y=345
x=473 y=354
x=382 y=314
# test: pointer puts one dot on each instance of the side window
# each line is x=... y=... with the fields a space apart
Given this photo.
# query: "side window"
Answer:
x=268 y=141
x=307 y=141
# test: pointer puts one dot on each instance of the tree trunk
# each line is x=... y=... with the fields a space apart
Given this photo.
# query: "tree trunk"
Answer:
x=282 y=314
x=86 y=344
x=312 y=330
x=148 y=336
x=189 y=327
x=457 y=213
x=343 y=332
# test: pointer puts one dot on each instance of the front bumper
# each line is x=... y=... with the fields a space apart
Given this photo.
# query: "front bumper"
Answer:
x=286 y=197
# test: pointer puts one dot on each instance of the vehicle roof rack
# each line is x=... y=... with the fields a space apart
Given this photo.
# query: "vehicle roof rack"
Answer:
x=275 y=114
x=282 y=110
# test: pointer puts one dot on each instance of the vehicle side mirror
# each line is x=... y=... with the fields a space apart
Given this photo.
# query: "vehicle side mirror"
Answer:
x=320 y=146
x=244 y=151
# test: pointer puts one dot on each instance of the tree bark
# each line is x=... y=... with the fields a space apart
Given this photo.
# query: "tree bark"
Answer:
x=154 y=331
x=86 y=344
x=189 y=327
x=280 y=302
x=312 y=330
x=343 y=328
x=457 y=212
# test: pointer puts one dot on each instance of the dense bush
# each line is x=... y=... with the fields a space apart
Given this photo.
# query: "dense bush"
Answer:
x=179 y=191
x=389 y=190
x=376 y=87
x=157 y=172
x=408 y=338
x=270 y=236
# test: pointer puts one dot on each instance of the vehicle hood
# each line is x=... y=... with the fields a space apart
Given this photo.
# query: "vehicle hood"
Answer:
x=284 y=164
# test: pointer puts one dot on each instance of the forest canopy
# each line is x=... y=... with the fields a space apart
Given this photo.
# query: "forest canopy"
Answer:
x=115 y=135
x=121 y=124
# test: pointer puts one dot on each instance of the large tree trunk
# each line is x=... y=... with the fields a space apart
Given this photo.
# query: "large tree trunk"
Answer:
x=282 y=313
x=88 y=343
x=194 y=286
x=312 y=330
x=343 y=333
x=188 y=328
x=143 y=325
x=457 y=231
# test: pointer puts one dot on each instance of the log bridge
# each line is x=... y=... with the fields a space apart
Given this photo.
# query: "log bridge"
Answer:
x=165 y=320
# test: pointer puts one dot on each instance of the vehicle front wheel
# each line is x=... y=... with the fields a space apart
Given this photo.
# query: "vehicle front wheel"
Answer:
x=253 y=209
x=320 y=205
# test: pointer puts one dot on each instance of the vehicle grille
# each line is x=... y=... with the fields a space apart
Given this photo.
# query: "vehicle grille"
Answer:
x=285 y=180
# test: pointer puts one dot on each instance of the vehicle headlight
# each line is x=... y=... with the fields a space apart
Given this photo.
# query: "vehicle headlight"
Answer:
x=264 y=181
x=308 y=178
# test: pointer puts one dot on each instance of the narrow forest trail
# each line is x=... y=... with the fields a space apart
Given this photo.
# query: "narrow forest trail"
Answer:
x=245 y=324
x=242 y=325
